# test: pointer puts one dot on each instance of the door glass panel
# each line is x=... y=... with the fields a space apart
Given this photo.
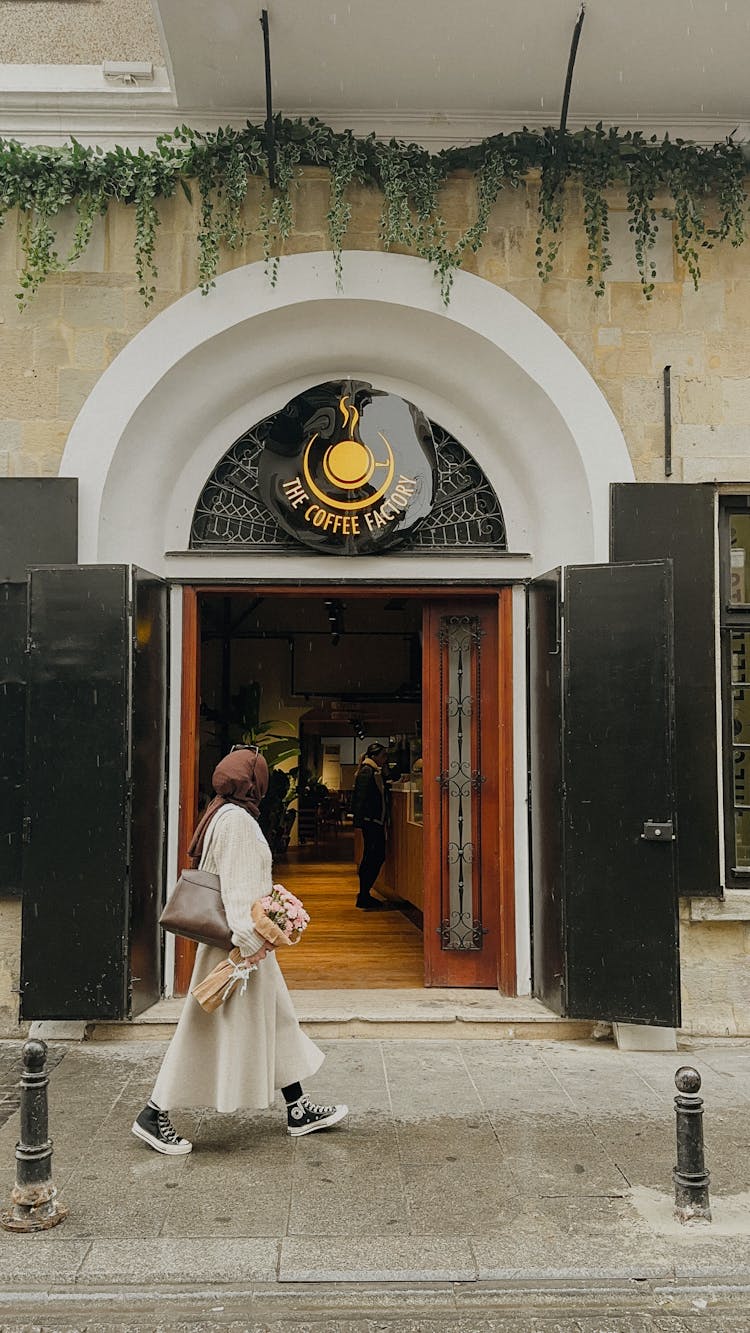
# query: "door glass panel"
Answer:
x=461 y=779
x=741 y=775
x=742 y=839
x=741 y=657
x=740 y=643
x=741 y=715
x=739 y=540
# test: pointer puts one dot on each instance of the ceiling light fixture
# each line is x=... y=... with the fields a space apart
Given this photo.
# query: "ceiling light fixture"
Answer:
x=334 y=610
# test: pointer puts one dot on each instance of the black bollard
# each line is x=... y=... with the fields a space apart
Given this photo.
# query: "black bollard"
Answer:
x=690 y=1175
x=34 y=1205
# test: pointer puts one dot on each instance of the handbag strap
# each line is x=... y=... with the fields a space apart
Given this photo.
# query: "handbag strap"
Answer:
x=208 y=839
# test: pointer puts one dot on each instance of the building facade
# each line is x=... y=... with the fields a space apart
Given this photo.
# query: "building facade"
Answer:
x=611 y=615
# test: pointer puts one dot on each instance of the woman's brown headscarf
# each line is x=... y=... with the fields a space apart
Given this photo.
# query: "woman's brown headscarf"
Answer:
x=240 y=779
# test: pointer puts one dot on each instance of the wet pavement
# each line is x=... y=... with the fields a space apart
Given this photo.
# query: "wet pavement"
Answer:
x=475 y=1181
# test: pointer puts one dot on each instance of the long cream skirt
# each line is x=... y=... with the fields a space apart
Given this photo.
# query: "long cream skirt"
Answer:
x=240 y=1054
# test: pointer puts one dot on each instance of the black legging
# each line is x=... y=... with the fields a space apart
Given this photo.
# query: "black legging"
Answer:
x=373 y=856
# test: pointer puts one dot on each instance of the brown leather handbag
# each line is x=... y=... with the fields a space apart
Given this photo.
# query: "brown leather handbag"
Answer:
x=195 y=910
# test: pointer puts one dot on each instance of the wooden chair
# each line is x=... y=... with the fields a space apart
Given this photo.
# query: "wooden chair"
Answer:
x=330 y=815
x=308 y=823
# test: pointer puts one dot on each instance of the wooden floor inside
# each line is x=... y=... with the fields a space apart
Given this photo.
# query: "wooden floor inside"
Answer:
x=344 y=948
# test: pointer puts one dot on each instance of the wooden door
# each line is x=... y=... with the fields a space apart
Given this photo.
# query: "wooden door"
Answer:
x=464 y=776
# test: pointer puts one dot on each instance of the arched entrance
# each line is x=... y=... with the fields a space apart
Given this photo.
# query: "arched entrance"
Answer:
x=488 y=369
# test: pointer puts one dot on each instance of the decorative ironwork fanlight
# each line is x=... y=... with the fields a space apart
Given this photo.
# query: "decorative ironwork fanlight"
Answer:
x=231 y=511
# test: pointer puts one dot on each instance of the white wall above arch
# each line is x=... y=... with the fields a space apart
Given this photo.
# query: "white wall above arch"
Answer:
x=205 y=370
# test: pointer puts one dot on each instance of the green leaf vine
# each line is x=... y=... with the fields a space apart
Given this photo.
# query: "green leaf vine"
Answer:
x=702 y=190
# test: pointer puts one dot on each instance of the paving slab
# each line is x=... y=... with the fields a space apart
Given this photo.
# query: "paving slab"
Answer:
x=353 y=1073
x=580 y=1163
x=37 y=1260
x=458 y=1139
x=119 y=1202
x=340 y=1191
x=197 y=1261
x=235 y=1194
x=244 y=1132
x=528 y=1258
x=377 y=1259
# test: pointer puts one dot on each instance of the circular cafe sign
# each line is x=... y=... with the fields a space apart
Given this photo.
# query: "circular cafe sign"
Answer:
x=347 y=468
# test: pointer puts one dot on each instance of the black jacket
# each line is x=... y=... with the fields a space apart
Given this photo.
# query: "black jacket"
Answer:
x=368 y=804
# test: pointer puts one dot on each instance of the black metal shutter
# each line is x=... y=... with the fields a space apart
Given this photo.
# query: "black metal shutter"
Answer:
x=38 y=524
x=620 y=901
x=148 y=726
x=12 y=727
x=616 y=955
x=678 y=522
x=546 y=786
x=95 y=783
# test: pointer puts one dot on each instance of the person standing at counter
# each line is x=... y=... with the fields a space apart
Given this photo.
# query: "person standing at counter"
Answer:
x=370 y=807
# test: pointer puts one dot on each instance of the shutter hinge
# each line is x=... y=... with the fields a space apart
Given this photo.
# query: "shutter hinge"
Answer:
x=26 y=829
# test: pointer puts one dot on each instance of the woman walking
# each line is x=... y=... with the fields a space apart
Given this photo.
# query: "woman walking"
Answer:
x=237 y=1056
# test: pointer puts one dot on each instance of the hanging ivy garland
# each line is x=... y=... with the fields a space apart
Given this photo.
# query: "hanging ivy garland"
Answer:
x=699 y=183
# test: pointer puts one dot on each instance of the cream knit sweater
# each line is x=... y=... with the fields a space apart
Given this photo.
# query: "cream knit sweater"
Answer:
x=236 y=850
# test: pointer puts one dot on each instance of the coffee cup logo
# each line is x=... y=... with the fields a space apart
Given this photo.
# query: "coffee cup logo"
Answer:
x=348 y=465
x=348 y=468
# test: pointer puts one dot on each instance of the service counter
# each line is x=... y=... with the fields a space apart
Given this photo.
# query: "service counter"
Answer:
x=402 y=874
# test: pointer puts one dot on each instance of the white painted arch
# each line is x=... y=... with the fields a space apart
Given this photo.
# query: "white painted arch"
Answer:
x=486 y=367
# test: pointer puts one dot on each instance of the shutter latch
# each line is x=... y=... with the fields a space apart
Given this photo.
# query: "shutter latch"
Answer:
x=654 y=831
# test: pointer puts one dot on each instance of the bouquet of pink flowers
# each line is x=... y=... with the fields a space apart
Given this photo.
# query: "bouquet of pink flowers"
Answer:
x=280 y=917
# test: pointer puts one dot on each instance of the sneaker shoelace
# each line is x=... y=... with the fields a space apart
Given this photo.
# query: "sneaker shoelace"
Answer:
x=167 y=1130
x=314 y=1109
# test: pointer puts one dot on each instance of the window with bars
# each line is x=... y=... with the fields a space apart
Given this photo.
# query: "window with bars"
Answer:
x=735 y=635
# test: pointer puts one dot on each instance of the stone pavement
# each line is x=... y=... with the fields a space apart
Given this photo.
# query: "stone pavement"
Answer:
x=473 y=1176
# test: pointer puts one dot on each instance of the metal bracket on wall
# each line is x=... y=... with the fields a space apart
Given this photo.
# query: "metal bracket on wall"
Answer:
x=569 y=73
x=270 y=134
x=556 y=651
x=667 y=421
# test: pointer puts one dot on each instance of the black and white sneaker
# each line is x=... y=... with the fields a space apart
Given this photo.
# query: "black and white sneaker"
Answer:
x=156 y=1129
x=304 y=1117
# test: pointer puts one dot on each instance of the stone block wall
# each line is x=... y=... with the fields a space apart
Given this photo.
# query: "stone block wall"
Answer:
x=10 y=966
x=715 y=965
x=53 y=353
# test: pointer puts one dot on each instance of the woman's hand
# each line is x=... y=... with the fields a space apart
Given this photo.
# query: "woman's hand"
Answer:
x=259 y=956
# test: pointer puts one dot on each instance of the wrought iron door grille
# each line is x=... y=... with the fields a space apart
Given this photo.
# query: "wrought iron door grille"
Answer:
x=460 y=639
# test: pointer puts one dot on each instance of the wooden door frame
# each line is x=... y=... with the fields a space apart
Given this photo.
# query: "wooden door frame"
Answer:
x=507 y=975
x=190 y=709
